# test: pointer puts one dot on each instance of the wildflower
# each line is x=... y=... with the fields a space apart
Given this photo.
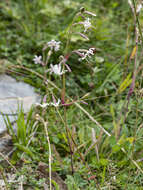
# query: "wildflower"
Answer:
x=37 y=59
x=55 y=104
x=53 y=45
x=86 y=24
x=130 y=3
x=56 y=69
x=64 y=60
x=87 y=54
x=139 y=7
x=44 y=105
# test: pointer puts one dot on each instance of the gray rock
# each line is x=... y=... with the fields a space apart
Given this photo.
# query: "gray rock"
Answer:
x=5 y=144
x=13 y=96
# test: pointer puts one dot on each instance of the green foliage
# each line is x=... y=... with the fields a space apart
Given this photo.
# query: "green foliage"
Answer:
x=98 y=160
x=24 y=132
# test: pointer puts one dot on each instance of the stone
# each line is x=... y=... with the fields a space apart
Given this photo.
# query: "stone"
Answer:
x=6 y=144
x=13 y=95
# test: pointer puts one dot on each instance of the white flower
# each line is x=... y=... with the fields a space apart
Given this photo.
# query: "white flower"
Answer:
x=90 y=52
x=37 y=59
x=56 y=69
x=55 y=104
x=130 y=3
x=86 y=24
x=87 y=54
x=44 y=105
x=54 y=45
x=139 y=7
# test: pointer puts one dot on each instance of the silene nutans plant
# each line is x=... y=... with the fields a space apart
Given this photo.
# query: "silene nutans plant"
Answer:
x=86 y=127
x=82 y=23
x=62 y=68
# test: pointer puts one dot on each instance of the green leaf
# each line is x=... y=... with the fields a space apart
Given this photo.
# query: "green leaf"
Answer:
x=24 y=149
x=104 y=162
x=125 y=84
x=116 y=148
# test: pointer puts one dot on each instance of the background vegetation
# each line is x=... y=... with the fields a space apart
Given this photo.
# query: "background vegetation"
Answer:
x=99 y=161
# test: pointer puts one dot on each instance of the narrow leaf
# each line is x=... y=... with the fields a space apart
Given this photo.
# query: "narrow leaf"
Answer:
x=133 y=52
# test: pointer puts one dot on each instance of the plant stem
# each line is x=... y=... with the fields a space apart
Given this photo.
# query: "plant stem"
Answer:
x=45 y=123
x=50 y=154
x=69 y=33
x=65 y=119
x=4 y=178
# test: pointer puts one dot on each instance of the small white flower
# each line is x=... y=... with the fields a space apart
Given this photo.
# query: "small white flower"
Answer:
x=130 y=3
x=56 y=69
x=44 y=105
x=55 y=104
x=87 y=54
x=139 y=7
x=54 y=45
x=37 y=59
x=86 y=24
x=90 y=52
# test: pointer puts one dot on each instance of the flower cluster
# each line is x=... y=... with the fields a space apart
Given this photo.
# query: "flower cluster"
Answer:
x=56 y=69
x=54 y=103
x=84 y=54
x=88 y=53
x=62 y=67
x=44 y=105
x=53 y=45
x=86 y=24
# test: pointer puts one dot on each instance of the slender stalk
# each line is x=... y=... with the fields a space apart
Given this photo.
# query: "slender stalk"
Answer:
x=69 y=34
x=65 y=120
x=135 y=70
x=50 y=155
x=45 y=123
x=137 y=20
x=135 y=56
x=4 y=178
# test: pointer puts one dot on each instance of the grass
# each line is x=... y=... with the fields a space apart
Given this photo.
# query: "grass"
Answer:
x=86 y=146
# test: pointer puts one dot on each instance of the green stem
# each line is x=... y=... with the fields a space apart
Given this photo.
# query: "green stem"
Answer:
x=4 y=178
x=69 y=34
x=137 y=20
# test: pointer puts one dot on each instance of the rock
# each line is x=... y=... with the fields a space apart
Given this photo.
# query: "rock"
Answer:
x=14 y=95
x=43 y=168
x=5 y=144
